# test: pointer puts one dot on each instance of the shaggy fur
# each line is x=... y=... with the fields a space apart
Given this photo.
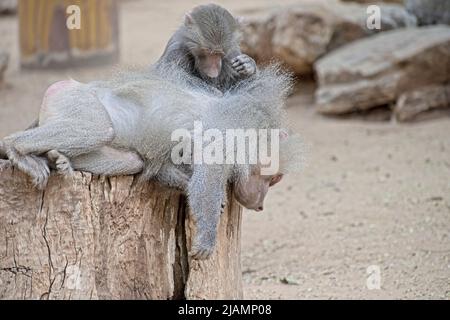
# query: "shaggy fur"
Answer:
x=124 y=126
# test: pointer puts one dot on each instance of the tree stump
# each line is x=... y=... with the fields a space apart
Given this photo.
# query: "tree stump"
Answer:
x=47 y=41
x=91 y=237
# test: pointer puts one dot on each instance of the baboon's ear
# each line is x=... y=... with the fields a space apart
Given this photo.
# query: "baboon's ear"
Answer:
x=188 y=20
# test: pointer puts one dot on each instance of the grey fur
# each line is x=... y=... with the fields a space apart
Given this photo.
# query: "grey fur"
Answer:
x=214 y=28
x=124 y=126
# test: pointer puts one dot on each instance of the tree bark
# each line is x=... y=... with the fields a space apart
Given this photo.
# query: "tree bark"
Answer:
x=90 y=237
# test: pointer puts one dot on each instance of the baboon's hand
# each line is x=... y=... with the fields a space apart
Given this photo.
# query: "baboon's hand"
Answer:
x=206 y=192
x=244 y=65
x=203 y=244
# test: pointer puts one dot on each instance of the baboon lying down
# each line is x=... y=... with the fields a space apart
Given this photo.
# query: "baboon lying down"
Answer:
x=124 y=126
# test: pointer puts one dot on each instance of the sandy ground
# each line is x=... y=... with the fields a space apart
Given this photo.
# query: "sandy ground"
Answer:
x=371 y=194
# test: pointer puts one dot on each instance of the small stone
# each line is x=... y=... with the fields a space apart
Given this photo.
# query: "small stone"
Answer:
x=435 y=198
x=289 y=280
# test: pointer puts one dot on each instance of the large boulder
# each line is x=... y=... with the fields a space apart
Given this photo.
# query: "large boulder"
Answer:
x=375 y=71
x=411 y=104
x=299 y=34
x=430 y=11
x=373 y=1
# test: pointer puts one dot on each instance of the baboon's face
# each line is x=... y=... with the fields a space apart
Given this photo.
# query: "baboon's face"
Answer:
x=209 y=62
x=251 y=192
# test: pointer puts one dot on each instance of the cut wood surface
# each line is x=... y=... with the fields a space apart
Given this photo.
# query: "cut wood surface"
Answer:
x=91 y=237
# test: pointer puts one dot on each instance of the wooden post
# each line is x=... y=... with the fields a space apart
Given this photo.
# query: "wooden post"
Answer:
x=90 y=237
x=47 y=42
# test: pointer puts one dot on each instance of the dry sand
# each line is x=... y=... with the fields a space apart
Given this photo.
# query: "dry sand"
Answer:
x=372 y=193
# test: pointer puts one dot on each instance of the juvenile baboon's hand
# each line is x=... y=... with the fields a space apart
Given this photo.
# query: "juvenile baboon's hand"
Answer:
x=244 y=65
x=203 y=244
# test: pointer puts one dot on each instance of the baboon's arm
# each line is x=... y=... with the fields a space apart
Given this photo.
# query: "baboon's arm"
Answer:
x=206 y=192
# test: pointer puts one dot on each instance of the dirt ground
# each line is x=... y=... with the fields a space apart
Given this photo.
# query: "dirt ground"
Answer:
x=370 y=194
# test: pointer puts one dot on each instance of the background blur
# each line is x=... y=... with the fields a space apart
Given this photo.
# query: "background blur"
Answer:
x=373 y=200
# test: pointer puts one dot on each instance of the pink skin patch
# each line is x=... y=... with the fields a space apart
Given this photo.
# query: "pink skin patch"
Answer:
x=51 y=91
x=58 y=86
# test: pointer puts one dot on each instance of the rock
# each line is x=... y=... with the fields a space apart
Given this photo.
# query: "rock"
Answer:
x=8 y=6
x=91 y=237
x=289 y=280
x=4 y=59
x=430 y=11
x=375 y=71
x=257 y=36
x=412 y=103
x=375 y=2
x=299 y=34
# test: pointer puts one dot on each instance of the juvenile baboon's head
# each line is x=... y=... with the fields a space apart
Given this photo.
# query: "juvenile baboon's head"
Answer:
x=211 y=34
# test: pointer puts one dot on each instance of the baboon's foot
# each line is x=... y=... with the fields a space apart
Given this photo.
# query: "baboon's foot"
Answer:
x=60 y=162
x=34 y=166
x=4 y=164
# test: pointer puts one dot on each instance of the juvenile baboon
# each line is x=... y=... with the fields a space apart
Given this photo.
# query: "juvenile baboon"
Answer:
x=207 y=46
x=125 y=126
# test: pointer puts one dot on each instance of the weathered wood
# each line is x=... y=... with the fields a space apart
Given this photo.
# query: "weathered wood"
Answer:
x=91 y=237
x=47 y=42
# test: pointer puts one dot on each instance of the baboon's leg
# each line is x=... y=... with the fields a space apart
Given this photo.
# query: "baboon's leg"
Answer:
x=68 y=137
x=109 y=161
x=23 y=148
